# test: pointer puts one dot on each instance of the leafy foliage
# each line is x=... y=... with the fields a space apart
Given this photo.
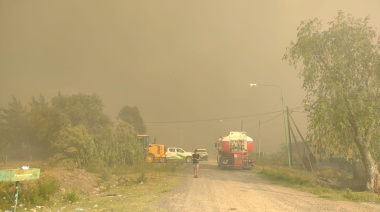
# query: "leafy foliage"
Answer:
x=74 y=130
x=82 y=109
x=45 y=122
x=31 y=193
x=14 y=126
x=71 y=196
x=341 y=71
x=127 y=149
x=115 y=146
x=132 y=116
x=76 y=144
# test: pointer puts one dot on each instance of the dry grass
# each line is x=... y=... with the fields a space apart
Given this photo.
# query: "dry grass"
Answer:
x=124 y=196
x=329 y=183
x=120 y=189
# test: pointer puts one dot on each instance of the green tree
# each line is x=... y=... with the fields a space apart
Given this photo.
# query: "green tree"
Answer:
x=38 y=103
x=14 y=127
x=340 y=67
x=126 y=147
x=83 y=109
x=51 y=123
x=45 y=122
x=114 y=147
x=74 y=146
x=132 y=116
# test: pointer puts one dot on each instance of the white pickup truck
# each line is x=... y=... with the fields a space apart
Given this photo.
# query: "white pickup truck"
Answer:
x=176 y=153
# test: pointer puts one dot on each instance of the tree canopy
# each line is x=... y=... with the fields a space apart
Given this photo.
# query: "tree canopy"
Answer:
x=132 y=116
x=340 y=67
x=72 y=130
x=14 y=125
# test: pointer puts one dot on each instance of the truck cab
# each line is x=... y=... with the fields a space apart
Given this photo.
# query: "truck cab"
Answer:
x=177 y=153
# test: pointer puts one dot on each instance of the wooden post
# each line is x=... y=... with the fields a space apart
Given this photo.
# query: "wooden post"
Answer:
x=298 y=150
x=306 y=145
x=289 y=138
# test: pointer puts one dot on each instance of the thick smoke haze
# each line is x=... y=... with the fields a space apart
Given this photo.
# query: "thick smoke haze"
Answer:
x=186 y=65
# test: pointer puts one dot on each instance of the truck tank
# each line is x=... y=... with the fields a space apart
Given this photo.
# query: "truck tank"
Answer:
x=234 y=149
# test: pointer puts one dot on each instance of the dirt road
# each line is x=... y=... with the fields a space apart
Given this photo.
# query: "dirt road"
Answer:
x=241 y=190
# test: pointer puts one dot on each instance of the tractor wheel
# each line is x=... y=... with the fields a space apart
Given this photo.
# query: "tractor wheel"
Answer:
x=150 y=158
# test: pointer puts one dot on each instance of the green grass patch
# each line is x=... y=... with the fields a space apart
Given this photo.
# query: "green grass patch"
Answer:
x=283 y=176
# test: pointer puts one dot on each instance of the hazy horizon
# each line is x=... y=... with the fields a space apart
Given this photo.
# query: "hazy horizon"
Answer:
x=186 y=65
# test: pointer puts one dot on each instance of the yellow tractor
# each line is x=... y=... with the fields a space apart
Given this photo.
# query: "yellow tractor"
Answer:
x=155 y=152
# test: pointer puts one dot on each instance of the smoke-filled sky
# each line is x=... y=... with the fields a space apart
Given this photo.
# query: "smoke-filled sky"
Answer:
x=186 y=65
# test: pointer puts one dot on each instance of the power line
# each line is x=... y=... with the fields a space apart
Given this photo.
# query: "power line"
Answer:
x=216 y=119
x=206 y=120
x=263 y=122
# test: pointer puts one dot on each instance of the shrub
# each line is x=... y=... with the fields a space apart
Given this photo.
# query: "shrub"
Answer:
x=41 y=191
x=30 y=193
x=71 y=196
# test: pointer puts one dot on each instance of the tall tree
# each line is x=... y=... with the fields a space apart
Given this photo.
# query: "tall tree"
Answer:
x=66 y=113
x=74 y=146
x=38 y=103
x=132 y=116
x=340 y=66
x=83 y=109
x=14 y=128
x=45 y=122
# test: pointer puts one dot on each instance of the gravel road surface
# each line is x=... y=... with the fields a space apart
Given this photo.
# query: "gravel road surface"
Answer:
x=242 y=190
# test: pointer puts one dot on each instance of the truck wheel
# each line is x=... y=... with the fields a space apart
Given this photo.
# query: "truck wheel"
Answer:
x=221 y=166
x=188 y=160
x=150 y=158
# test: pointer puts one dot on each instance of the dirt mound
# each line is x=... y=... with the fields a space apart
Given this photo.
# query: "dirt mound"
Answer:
x=78 y=179
x=68 y=179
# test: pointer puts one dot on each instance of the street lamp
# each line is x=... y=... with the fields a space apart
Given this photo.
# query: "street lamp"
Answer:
x=284 y=115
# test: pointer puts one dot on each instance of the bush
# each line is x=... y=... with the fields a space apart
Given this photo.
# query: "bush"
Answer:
x=30 y=193
x=41 y=191
x=6 y=200
x=71 y=196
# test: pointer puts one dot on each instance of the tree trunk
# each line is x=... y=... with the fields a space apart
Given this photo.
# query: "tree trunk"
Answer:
x=371 y=167
x=355 y=174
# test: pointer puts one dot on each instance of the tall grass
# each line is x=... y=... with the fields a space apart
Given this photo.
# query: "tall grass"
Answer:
x=30 y=193
x=307 y=181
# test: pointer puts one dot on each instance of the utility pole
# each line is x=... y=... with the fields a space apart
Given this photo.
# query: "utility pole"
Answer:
x=259 y=138
x=284 y=115
x=178 y=136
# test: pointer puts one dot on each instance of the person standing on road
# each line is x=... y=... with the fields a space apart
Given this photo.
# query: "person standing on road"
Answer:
x=196 y=158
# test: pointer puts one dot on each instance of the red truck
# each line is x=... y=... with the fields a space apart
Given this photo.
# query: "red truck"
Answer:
x=233 y=151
